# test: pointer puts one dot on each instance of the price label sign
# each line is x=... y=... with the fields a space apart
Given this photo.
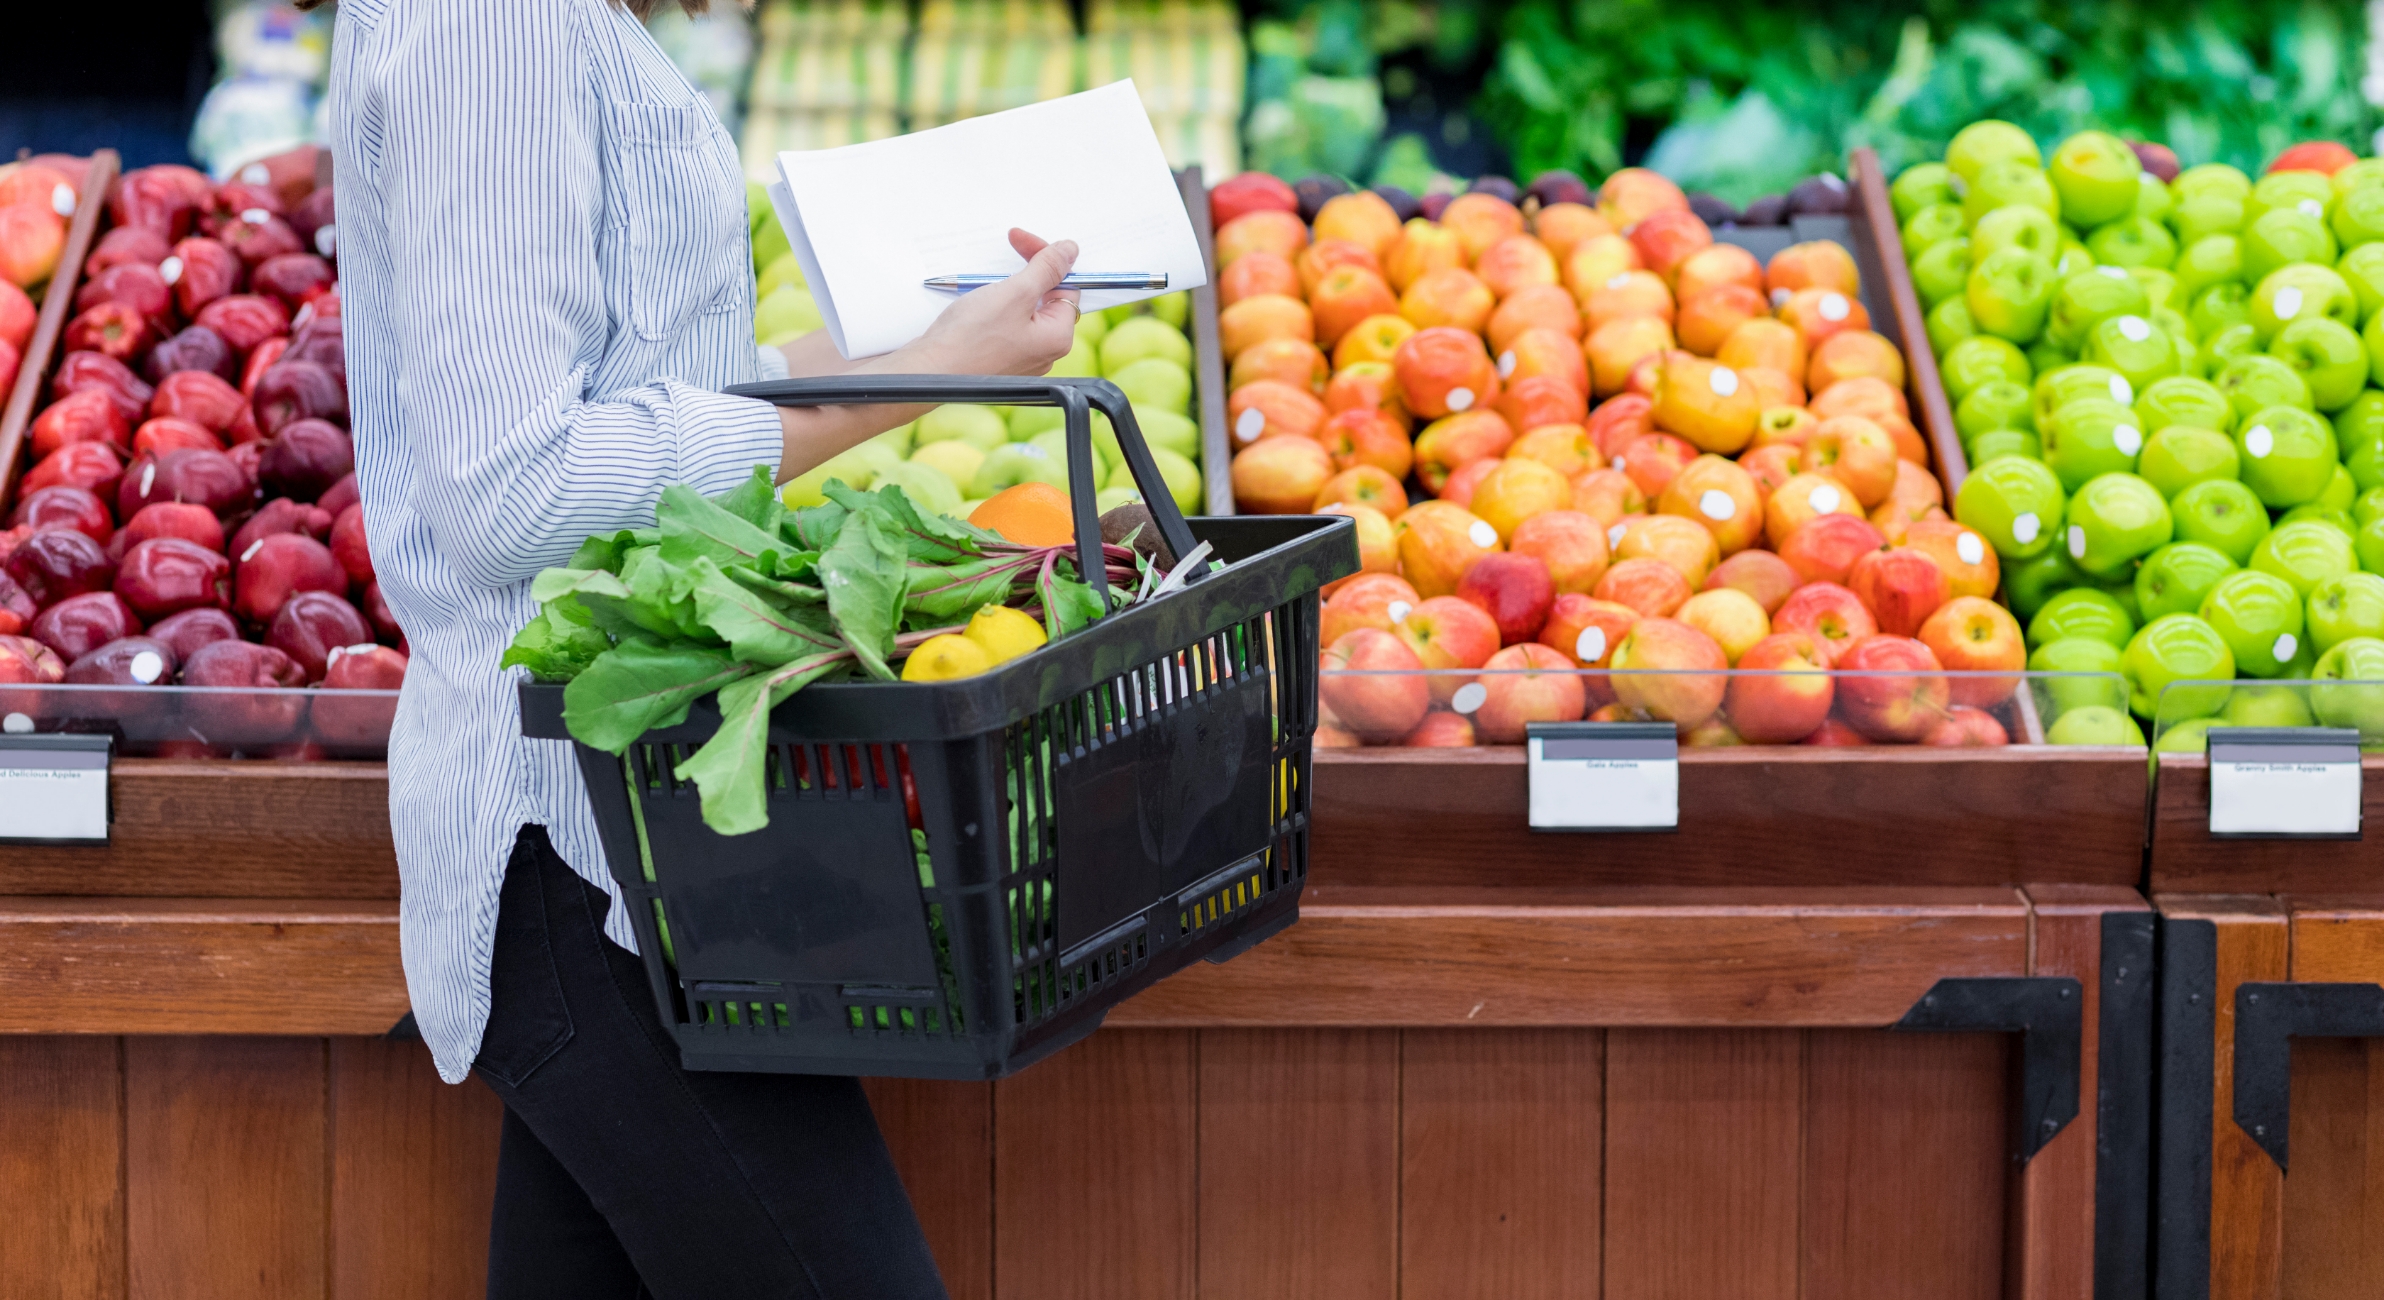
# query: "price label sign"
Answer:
x=1604 y=776
x=2284 y=782
x=54 y=788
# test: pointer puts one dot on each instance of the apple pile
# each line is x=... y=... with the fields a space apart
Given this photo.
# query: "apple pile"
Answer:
x=1706 y=515
x=190 y=515
x=2165 y=392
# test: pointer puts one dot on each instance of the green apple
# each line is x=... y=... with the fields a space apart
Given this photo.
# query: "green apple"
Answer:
x=1920 y=187
x=2095 y=174
x=1174 y=308
x=1988 y=141
x=1949 y=323
x=2171 y=649
x=2175 y=578
x=2362 y=268
x=2302 y=191
x=2219 y=306
x=2238 y=340
x=2059 y=387
x=1941 y=271
x=2258 y=614
x=2008 y=184
x=2123 y=590
x=2288 y=455
x=2017 y=226
x=1166 y=430
x=2188 y=736
x=2283 y=236
x=1997 y=443
x=2013 y=502
x=2085 y=300
x=2094 y=724
x=2091 y=437
x=981 y=427
x=2179 y=456
x=2083 y=672
x=2009 y=292
x=2336 y=518
x=899 y=439
x=926 y=486
x=2299 y=292
x=2160 y=286
x=2044 y=357
x=2222 y=513
x=2373 y=336
x=2138 y=349
x=2073 y=258
x=2339 y=494
x=2133 y=241
x=954 y=459
x=2173 y=323
x=1092 y=327
x=786 y=270
x=2030 y=584
x=2307 y=553
x=1995 y=404
x=2113 y=521
x=2330 y=357
x=2082 y=612
x=2359 y=433
x=2349 y=690
x=1027 y=422
x=2212 y=178
x=787 y=314
x=2265 y=706
x=2366 y=506
x=2182 y=399
x=1143 y=336
x=1981 y=360
x=1082 y=362
x=2345 y=607
x=769 y=238
x=2368 y=543
x=1014 y=463
x=2212 y=259
x=1931 y=226
x=2357 y=176
x=1182 y=476
x=2197 y=217
x=1157 y=382
x=2258 y=382
x=2358 y=218
x=1054 y=443
x=1110 y=498
x=2154 y=202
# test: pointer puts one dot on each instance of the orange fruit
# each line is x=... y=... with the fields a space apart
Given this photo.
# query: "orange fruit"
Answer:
x=1030 y=514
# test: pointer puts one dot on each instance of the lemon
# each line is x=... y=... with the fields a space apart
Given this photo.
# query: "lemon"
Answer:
x=944 y=658
x=1003 y=633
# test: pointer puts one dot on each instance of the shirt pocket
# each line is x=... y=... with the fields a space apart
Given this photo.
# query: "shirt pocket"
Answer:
x=681 y=215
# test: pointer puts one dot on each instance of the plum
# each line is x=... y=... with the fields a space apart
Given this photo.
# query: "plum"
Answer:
x=134 y=661
x=196 y=348
x=86 y=416
x=245 y=319
x=377 y=609
x=78 y=625
x=275 y=568
x=305 y=458
x=1403 y=204
x=192 y=628
x=64 y=506
x=127 y=246
x=1770 y=210
x=166 y=433
x=201 y=477
x=311 y=218
x=59 y=563
x=81 y=370
x=282 y=515
x=1315 y=191
x=92 y=465
x=339 y=496
x=255 y=704
x=166 y=575
x=175 y=519
x=1430 y=206
x=1551 y=187
x=16 y=608
x=345 y=721
x=313 y=624
x=135 y=284
x=348 y=546
x=319 y=338
x=201 y=271
x=293 y=278
x=200 y=397
x=1712 y=210
x=296 y=390
x=1818 y=195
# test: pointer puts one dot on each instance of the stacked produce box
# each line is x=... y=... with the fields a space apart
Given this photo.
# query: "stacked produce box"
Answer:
x=1188 y=63
x=829 y=73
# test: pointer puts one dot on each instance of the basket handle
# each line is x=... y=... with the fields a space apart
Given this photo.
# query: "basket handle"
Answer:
x=1076 y=398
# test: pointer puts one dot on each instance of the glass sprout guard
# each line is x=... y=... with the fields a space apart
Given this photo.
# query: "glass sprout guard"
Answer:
x=2186 y=710
x=208 y=721
x=1469 y=707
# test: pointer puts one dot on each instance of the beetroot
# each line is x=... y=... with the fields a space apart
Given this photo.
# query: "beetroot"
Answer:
x=196 y=348
x=86 y=416
x=313 y=624
x=305 y=458
x=201 y=271
x=293 y=278
x=348 y=546
x=264 y=712
x=299 y=390
x=135 y=284
x=166 y=575
x=273 y=569
x=128 y=246
x=281 y=515
x=93 y=465
x=339 y=496
x=377 y=609
x=180 y=519
x=200 y=397
x=23 y=660
x=78 y=625
x=81 y=370
x=193 y=628
x=320 y=339
x=63 y=506
x=206 y=478
x=59 y=563
x=244 y=320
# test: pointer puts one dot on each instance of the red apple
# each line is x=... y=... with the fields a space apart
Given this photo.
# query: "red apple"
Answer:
x=266 y=710
x=1441 y=730
x=1893 y=688
x=1516 y=591
x=78 y=625
x=384 y=622
x=1375 y=600
x=127 y=246
x=166 y=575
x=1523 y=684
x=1835 y=734
x=1901 y=587
x=1653 y=673
x=199 y=397
x=275 y=568
x=86 y=416
x=202 y=271
x=167 y=433
x=93 y=465
x=244 y=320
x=196 y=524
x=1969 y=634
x=359 y=722
x=1449 y=634
x=282 y=515
x=1825 y=547
x=192 y=628
x=1374 y=683
x=342 y=494
x=196 y=348
x=1783 y=709
x=135 y=662
x=312 y=624
x=124 y=389
x=305 y=458
x=293 y=279
x=65 y=506
x=1760 y=574
x=58 y=563
x=348 y=545
x=111 y=329
x=135 y=285
x=295 y=390
x=25 y=661
x=1966 y=727
x=1835 y=617
x=200 y=477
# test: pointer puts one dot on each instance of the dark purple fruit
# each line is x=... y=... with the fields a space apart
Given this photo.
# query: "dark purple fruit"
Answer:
x=1432 y=205
x=1498 y=186
x=1559 y=187
x=1770 y=210
x=1315 y=191
x=1713 y=211
x=1402 y=202
x=1817 y=196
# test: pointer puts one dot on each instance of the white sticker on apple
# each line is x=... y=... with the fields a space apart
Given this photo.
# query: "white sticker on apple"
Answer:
x=149 y=479
x=2128 y=439
x=1717 y=505
x=2259 y=441
x=2312 y=208
x=1460 y=399
x=1723 y=381
x=62 y=199
x=1398 y=610
x=2135 y=329
x=16 y=724
x=255 y=174
x=1481 y=534
x=2284 y=647
x=1590 y=646
x=1825 y=499
x=1030 y=449
x=1506 y=363
x=256 y=216
x=253 y=547
x=2121 y=391
x=1780 y=297
x=2288 y=302
x=327 y=241
x=147 y=667
x=2025 y=527
x=1469 y=697
x=1249 y=424
x=1835 y=307
x=1614 y=535
x=1618 y=464
x=2114 y=272
x=1620 y=279
x=1970 y=549
x=170 y=270
x=2077 y=542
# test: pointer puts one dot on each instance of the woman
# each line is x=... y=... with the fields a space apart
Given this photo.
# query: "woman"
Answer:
x=546 y=281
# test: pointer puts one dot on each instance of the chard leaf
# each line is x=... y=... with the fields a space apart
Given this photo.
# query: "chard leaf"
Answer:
x=729 y=771
x=554 y=647
x=756 y=501
x=941 y=595
x=801 y=593
x=1067 y=604
x=864 y=576
x=560 y=589
x=658 y=597
x=756 y=628
x=604 y=551
x=815 y=527
x=694 y=526
x=928 y=538
x=639 y=685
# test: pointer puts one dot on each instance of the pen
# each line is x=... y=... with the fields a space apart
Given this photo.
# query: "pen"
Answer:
x=1083 y=280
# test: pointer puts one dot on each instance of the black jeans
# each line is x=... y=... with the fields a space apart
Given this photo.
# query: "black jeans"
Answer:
x=620 y=1174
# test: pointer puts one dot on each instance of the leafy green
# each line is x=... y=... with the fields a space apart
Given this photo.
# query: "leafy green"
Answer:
x=730 y=771
x=639 y=685
x=865 y=576
x=758 y=630
x=554 y=647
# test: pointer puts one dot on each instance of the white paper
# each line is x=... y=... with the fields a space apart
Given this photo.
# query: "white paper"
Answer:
x=2284 y=798
x=41 y=803
x=1603 y=794
x=871 y=222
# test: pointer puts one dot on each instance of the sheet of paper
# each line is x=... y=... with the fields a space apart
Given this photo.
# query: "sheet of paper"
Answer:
x=872 y=221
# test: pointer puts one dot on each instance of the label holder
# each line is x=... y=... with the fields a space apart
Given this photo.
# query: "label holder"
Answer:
x=54 y=788
x=2284 y=783
x=1603 y=777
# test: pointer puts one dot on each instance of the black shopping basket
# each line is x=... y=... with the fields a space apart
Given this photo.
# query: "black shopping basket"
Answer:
x=1088 y=818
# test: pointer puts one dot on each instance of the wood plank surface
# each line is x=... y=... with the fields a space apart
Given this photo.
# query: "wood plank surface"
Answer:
x=2338 y=938
x=1299 y=1166
x=413 y=1174
x=941 y=1134
x=196 y=829
x=1905 y=1178
x=225 y=1170
x=1665 y=961
x=61 y=1160
x=2334 y=1200
x=1094 y=1153
x=1704 y=1150
x=241 y=966
x=1873 y=217
x=2185 y=860
x=1501 y=1163
x=1885 y=815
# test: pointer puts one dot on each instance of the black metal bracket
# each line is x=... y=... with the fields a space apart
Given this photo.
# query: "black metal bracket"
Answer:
x=2268 y=1017
x=2188 y=1026
x=404 y=1031
x=2048 y=1013
x=2123 y=1108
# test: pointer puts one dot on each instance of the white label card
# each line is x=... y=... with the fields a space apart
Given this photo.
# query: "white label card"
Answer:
x=1604 y=776
x=2287 y=781
x=54 y=789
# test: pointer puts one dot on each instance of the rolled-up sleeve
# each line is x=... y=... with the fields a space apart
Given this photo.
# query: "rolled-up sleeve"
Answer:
x=492 y=168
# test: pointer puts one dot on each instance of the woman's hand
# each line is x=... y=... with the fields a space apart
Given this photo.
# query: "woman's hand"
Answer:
x=1018 y=327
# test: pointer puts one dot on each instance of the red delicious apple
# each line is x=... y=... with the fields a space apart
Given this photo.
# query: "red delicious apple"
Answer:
x=81 y=370
x=154 y=199
x=311 y=625
x=281 y=515
x=196 y=348
x=201 y=271
x=86 y=416
x=1893 y=688
x=136 y=285
x=1835 y=617
x=1825 y=547
x=202 y=398
x=259 y=237
x=165 y=433
x=262 y=708
x=234 y=199
x=138 y=662
x=339 y=496
x=25 y=662
x=245 y=319
x=318 y=337
x=313 y=215
x=1762 y=575
x=1447 y=634
x=377 y=609
x=175 y=519
x=345 y=721
x=200 y=477
x=261 y=358
x=275 y=568
x=293 y=278
x=192 y=628
x=166 y=575
x=1526 y=683
x=91 y=465
x=245 y=457
x=1516 y=591
x=18 y=316
x=348 y=546
x=111 y=329
x=1441 y=730
x=78 y=625
x=1900 y=586
x=1373 y=683
x=1783 y=709
x=305 y=458
x=1973 y=634
x=1655 y=672
x=58 y=563
x=1966 y=727
x=1835 y=734
x=295 y=390
x=127 y=246
x=63 y=506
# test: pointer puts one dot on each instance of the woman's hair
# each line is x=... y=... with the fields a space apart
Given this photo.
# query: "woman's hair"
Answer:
x=642 y=8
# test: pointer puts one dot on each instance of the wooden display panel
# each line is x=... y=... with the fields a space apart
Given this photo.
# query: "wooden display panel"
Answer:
x=2186 y=860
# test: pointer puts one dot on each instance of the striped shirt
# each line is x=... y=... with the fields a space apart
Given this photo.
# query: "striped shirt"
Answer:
x=545 y=275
